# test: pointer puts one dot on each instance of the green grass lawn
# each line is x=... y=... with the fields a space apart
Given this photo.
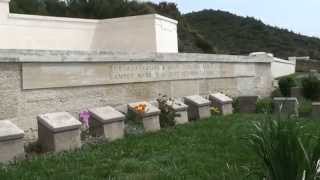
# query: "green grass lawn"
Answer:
x=209 y=149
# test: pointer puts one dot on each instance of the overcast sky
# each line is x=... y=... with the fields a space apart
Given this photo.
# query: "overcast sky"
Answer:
x=302 y=16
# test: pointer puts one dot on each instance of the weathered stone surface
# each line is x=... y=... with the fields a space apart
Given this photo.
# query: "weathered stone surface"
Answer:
x=22 y=106
x=58 y=132
x=316 y=110
x=149 y=111
x=286 y=106
x=181 y=111
x=59 y=121
x=247 y=104
x=11 y=150
x=151 y=123
x=150 y=117
x=107 y=122
x=11 y=143
x=296 y=92
x=9 y=131
x=197 y=100
x=106 y=114
x=222 y=102
x=199 y=107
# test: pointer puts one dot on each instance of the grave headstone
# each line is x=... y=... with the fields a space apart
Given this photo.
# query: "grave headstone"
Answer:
x=286 y=106
x=181 y=111
x=107 y=122
x=296 y=92
x=247 y=104
x=316 y=110
x=58 y=132
x=222 y=102
x=146 y=113
x=11 y=142
x=198 y=107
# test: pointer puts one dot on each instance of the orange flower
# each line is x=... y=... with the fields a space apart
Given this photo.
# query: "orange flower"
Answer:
x=141 y=108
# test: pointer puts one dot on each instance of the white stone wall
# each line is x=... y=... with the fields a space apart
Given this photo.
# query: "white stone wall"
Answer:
x=147 y=33
x=93 y=79
x=280 y=67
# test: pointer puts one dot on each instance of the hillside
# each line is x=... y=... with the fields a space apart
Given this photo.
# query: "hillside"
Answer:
x=206 y=31
x=231 y=34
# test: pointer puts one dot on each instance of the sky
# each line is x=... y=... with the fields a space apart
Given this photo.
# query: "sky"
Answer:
x=301 y=16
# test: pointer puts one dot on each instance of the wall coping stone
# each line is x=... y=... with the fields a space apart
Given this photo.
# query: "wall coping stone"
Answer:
x=59 y=121
x=43 y=56
x=107 y=114
x=9 y=131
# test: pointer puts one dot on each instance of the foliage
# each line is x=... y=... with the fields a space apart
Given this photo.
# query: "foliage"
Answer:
x=235 y=105
x=285 y=85
x=286 y=151
x=276 y=93
x=305 y=108
x=213 y=149
x=215 y=111
x=311 y=87
x=167 y=115
x=232 y=34
x=264 y=106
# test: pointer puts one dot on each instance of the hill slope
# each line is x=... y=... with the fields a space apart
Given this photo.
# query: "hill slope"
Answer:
x=231 y=34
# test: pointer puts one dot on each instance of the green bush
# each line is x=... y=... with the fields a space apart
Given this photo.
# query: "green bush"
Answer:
x=264 y=106
x=311 y=87
x=286 y=152
x=285 y=84
x=167 y=115
x=305 y=108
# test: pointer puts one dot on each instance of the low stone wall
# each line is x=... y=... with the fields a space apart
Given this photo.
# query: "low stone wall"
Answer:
x=37 y=82
x=281 y=67
x=307 y=65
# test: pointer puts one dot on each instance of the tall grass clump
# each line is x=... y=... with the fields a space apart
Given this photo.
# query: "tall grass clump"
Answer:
x=287 y=152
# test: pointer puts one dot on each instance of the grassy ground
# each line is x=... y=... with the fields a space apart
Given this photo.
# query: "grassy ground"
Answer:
x=208 y=149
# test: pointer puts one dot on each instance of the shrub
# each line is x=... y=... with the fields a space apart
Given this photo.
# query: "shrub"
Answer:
x=286 y=152
x=167 y=114
x=311 y=87
x=264 y=106
x=285 y=84
x=305 y=107
x=235 y=105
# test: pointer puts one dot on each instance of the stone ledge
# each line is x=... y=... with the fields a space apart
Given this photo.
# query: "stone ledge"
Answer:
x=107 y=115
x=17 y=55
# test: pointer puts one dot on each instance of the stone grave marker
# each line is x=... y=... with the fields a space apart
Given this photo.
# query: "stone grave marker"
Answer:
x=316 y=110
x=11 y=142
x=296 y=92
x=222 y=102
x=181 y=111
x=286 y=106
x=199 y=107
x=247 y=104
x=107 y=122
x=146 y=113
x=58 y=132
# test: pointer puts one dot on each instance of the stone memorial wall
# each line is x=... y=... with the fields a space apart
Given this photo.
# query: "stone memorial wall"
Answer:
x=34 y=82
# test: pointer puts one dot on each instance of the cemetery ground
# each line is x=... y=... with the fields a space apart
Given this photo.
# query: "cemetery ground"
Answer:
x=214 y=148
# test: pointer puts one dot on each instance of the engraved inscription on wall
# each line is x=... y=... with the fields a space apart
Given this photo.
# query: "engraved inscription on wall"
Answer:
x=51 y=75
